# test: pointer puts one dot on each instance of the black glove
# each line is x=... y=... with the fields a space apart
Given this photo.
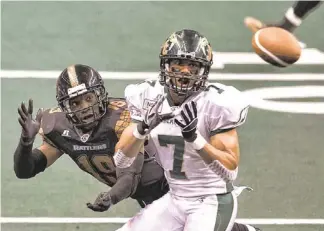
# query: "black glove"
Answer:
x=189 y=115
x=152 y=118
x=102 y=203
x=30 y=127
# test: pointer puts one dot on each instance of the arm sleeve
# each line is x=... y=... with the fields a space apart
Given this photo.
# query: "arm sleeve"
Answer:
x=127 y=180
x=28 y=162
x=229 y=115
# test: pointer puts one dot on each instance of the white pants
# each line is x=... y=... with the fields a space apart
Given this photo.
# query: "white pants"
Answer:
x=172 y=213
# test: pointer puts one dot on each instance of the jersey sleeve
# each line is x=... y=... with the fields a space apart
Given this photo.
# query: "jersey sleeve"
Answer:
x=48 y=124
x=229 y=112
x=119 y=114
x=134 y=95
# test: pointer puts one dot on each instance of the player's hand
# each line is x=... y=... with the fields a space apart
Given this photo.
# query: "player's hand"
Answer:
x=189 y=116
x=102 y=203
x=30 y=127
x=152 y=117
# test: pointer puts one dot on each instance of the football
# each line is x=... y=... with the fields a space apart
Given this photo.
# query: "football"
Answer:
x=276 y=46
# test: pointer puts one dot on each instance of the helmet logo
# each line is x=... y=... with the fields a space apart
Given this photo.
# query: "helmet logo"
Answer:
x=165 y=48
x=169 y=43
x=203 y=42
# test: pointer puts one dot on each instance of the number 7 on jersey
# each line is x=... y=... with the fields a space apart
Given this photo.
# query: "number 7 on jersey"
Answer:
x=179 y=147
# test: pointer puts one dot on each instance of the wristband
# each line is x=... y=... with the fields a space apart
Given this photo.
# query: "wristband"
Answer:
x=138 y=135
x=199 y=142
x=290 y=15
x=121 y=160
x=226 y=174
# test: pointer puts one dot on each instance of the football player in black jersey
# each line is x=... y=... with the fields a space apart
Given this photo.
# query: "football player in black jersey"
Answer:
x=86 y=126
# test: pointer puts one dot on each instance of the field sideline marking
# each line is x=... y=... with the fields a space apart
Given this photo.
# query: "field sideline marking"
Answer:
x=122 y=220
x=146 y=75
x=309 y=56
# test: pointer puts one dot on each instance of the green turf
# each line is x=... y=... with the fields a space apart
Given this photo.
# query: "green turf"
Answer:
x=128 y=35
x=280 y=159
x=282 y=153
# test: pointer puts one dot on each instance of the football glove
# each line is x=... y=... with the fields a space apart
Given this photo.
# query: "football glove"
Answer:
x=152 y=117
x=189 y=127
x=30 y=127
x=102 y=203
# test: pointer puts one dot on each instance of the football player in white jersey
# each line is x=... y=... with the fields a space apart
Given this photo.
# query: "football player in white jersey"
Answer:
x=193 y=126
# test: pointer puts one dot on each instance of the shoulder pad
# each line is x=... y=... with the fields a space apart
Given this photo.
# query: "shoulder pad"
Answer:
x=226 y=106
x=49 y=119
x=226 y=96
x=137 y=89
x=138 y=94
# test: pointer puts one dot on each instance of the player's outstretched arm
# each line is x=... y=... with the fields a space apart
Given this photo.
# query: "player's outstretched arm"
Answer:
x=28 y=161
x=127 y=180
x=126 y=185
x=130 y=142
x=133 y=137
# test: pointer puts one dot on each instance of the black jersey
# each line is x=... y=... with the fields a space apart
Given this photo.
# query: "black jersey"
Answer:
x=93 y=152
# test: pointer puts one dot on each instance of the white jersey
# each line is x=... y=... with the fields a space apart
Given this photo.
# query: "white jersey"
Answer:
x=219 y=107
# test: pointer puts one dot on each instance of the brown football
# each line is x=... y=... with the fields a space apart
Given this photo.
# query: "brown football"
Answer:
x=276 y=46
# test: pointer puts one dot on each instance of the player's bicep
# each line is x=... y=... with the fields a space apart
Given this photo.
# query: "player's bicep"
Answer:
x=228 y=142
x=51 y=153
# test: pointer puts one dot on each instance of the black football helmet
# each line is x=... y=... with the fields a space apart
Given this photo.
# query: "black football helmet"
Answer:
x=77 y=80
x=185 y=45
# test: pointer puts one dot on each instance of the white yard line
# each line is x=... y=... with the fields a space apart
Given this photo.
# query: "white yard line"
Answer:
x=122 y=220
x=13 y=74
